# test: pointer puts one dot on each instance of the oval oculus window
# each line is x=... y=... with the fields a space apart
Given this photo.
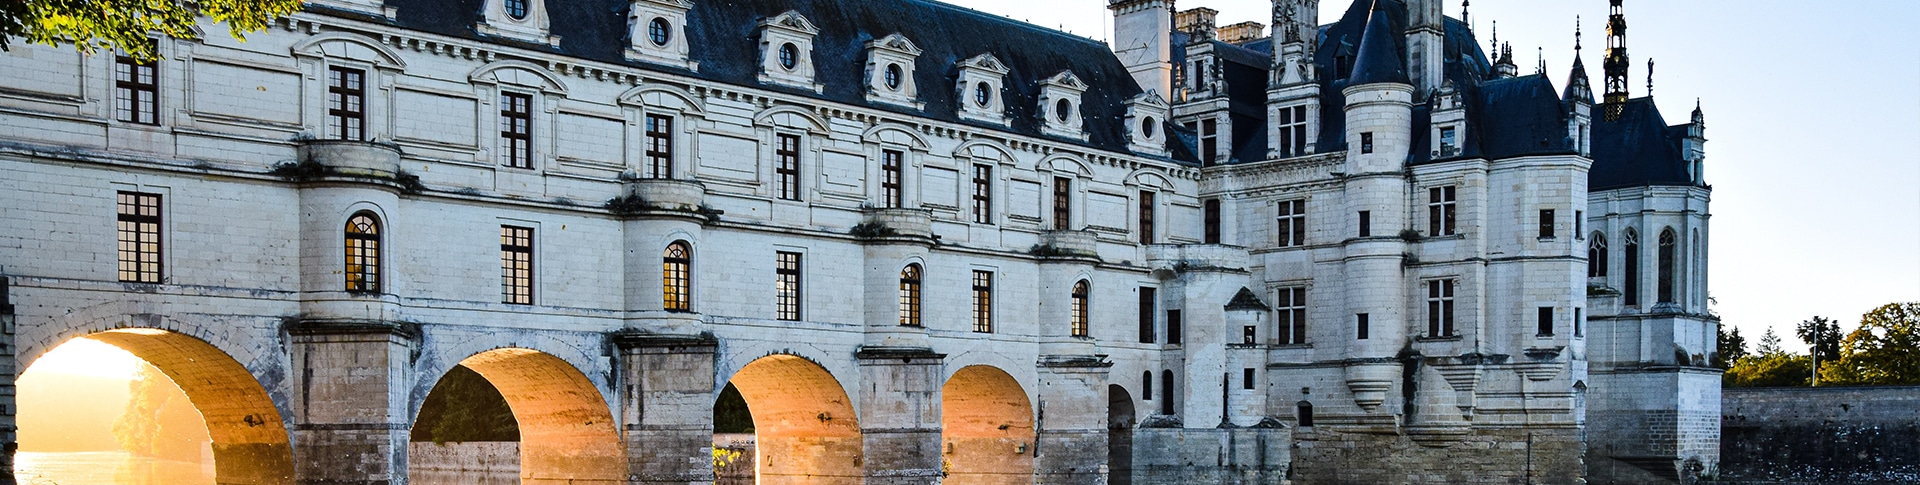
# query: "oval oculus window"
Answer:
x=659 y=31
x=982 y=94
x=789 y=56
x=893 y=76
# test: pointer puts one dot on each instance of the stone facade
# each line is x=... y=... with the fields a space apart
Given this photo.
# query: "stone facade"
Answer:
x=1023 y=267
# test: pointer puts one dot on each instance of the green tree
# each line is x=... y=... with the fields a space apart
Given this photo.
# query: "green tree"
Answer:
x=91 y=25
x=1822 y=335
x=1731 y=348
x=1884 y=351
x=1777 y=369
x=1769 y=344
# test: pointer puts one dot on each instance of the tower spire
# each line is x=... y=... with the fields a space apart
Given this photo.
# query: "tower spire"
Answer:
x=1616 y=64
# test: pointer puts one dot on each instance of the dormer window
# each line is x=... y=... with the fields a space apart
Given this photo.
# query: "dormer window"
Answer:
x=656 y=33
x=1060 y=95
x=890 y=62
x=786 y=51
x=1145 y=135
x=522 y=20
x=980 y=80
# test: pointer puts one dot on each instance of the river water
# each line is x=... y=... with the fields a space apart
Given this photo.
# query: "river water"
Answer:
x=106 y=468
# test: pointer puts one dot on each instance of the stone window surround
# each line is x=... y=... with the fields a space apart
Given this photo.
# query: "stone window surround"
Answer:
x=891 y=51
x=987 y=69
x=789 y=28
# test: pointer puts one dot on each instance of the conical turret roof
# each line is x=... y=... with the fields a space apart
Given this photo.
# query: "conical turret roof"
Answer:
x=1379 y=60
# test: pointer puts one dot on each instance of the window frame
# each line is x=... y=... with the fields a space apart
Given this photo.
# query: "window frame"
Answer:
x=982 y=301
x=1062 y=203
x=1210 y=215
x=786 y=155
x=132 y=98
x=911 y=277
x=517 y=264
x=788 y=286
x=1630 y=265
x=893 y=194
x=1442 y=210
x=363 y=251
x=1148 y=307
x=1544 y=322
x=1078 y=321
x=516 y=129
x=1365 y=221
x=1361 y=324
x=659 y=145
x=660 y=31
x=982 y=193
x=1290 y=315
x=346 y=103
x=1442 y=298
x=1145 y=216
x=676 y=277
x=1547 y=223
x=140 y=229
x=1597 y=255
x=1210 y=141
x=1291 y=222
x=1293 y=131
x=1666 y=267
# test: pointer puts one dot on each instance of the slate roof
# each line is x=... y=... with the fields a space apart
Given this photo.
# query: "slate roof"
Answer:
x=1638 y=150
x=722 y=34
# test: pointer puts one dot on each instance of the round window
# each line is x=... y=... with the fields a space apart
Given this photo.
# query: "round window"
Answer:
x=893 y=76
x=1149 y=127
x=659 y=31
x=1062 y=110
x=789 y=56
x=982 y=94
x=517 y=9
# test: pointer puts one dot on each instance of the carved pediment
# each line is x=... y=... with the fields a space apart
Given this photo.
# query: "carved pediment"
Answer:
x=791 y=20
x=985 y=61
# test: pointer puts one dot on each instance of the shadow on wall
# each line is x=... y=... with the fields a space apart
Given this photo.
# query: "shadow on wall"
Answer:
x=1854 y=435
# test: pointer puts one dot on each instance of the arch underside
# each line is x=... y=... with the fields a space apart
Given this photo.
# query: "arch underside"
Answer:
x=567 y=433
x=1120 y=421
x=250 y=442
x=805 y=429
x=987 y=428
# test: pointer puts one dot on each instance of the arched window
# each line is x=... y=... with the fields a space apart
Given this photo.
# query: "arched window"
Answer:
x=1630 y=289
x=363 y=253
x=1667 y=245
x=1166 y=392
x=1146 y=385
x=1597 y=256
x=1695 y=268
x=1305 y=413
x=676 y=277
x=1079 y=323
x=910 y=296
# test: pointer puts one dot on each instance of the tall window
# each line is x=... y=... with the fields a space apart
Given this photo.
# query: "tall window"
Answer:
x=1366 y=142
x=1449 y=142
x=1210 y=141
x=363 y=253
x=676 y=278
x=1174 y=332
x=1166 y=392
x=1545 y=322
x=516 y=130
x=983 y=194
x=1293 y=131
x=1062 y=203
x=660 y=145
x=1149 y=299
x=910 y=296
x=1440 y=210
x=1292 y=222
x=786 y=285
x=1546 y=223
x=1079 y=322
x=516 y=265
x=346 y=103
x=1360 y=326
x=1366 y=223
x=1440 y=308
x=787 y=167
x=890 y=193
x=136 y=91
x=1630 y=256
x=1667 y=247
x=1146 y=217
x=139 y=237
x=1211 y=213
x=1290 y=312
x=1597 y=256
x=982 y=301
x=1246 y=378
x=1146 y=385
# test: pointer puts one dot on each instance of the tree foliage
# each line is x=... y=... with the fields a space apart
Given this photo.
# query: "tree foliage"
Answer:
x=92 y=25
x=1769 y=343
x=1777 y=369
x=465 y=407
x=1731 y=348
x=1884 y=351
x=1822 y=335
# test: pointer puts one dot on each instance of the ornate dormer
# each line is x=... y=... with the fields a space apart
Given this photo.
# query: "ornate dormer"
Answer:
x=786 y=51
x=656 y=33
x=1146 y=114
x=1060 y=106
x=979 y=86
x=890 y=62
x=1449 y=126
x=1578 y=99
x=522 y=20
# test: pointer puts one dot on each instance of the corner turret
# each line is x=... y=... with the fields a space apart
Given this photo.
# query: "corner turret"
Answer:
x=1578 y=99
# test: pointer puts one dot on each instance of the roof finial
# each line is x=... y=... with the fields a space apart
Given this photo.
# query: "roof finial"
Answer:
x=1576 y=35
x=1464 y=5
x=1495 y=48
x=1649 y=77
x=1616 y=61
x=1543 y=60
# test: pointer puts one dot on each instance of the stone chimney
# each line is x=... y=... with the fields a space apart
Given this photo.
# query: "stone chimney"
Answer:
x=1143 y=40
x=1243 y=32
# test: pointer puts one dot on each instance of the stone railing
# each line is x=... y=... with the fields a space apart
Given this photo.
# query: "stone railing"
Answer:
x=893 y=222
x=351 y=158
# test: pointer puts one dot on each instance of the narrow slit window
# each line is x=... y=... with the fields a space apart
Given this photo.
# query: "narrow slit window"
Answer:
x=1360 y=326
x=1667 y=265
x=1246 y=378
x=139 y=237
x=1630 y=259
x=1146 y=385
x=1149 y=299
x=1174 y=332
x=1366 y=142
x=1366 y=223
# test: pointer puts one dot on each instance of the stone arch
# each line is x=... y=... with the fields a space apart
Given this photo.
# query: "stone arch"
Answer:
x=250 y=440
x=659 y=96
x=987 y=427
x=521 y=73
x=1067 y=163
x=791 y=116
x=987 y=149
x=345 y=45
x=805 y=427
x=1120 y=421
x=885 y=132
x=567 y=430
x=1150 y=178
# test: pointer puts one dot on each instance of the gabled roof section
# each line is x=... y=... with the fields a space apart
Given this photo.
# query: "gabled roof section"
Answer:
x=1637 y=150
x=1246 y=300
x=722 y=35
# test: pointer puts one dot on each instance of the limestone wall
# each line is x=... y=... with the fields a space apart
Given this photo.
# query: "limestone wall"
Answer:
x=1862 y=435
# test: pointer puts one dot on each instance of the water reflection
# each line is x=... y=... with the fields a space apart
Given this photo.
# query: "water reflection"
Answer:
x=107 y=468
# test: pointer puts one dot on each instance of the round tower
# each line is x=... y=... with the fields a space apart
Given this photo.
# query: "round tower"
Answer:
x=1379 y=110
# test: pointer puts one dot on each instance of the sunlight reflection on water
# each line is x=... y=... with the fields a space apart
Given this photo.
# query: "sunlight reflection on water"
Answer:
x=107 y=468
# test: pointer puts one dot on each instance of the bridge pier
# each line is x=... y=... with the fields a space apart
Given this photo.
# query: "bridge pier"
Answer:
x=350 y=402
x=666 y=401
x=1072 y=442
x=900 y=415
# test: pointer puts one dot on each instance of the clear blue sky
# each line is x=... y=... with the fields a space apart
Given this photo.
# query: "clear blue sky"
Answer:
x=1813 y=117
